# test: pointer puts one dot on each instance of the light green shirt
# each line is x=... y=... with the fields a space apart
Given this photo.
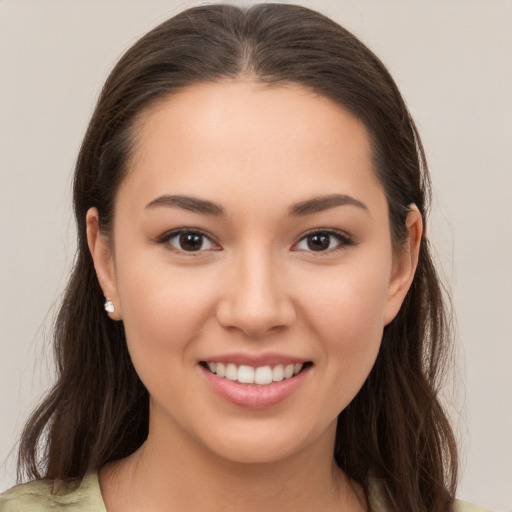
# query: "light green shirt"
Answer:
x=45 y=496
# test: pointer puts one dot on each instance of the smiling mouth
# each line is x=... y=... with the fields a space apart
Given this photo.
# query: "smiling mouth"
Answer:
x=261 y=375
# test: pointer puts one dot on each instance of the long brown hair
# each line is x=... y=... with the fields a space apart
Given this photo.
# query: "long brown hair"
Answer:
x=395 y=430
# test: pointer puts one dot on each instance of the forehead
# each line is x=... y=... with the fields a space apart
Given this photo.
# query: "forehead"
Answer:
x=249 y=138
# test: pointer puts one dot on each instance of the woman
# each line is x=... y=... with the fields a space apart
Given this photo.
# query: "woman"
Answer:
x=253 y=312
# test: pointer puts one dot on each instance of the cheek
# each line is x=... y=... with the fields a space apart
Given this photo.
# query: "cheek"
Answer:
x=163 y=308
x=164 y=313
x=349 y=304
x=346 y=313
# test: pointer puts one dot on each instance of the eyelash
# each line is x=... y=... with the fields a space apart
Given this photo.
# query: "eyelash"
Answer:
x=343 y=241
x=170 y=235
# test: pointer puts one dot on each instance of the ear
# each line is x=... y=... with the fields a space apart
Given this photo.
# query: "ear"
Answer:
x=103 y=258
x=404 y=265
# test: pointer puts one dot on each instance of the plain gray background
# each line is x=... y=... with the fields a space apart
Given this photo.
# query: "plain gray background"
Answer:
x=452 y=61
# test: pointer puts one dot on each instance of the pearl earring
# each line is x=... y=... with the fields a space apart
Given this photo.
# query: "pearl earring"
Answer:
x=109 y=306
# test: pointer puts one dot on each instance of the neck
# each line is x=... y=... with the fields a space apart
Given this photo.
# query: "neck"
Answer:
x=176 y=473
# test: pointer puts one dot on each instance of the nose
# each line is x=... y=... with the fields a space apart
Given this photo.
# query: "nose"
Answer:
x=256 y=298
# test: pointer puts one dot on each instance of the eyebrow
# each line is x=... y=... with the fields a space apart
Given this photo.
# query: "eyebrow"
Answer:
x=192 y=204
x=308 y=207
x=322 y=203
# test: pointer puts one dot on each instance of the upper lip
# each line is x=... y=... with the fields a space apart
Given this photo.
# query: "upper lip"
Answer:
x=255 y=360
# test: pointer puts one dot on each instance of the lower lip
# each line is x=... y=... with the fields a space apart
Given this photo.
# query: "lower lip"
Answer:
x=253 y=395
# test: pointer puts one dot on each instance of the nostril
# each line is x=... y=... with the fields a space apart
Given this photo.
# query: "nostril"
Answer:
x=255 y=304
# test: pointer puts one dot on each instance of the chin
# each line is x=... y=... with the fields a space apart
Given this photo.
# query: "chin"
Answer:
x=267 y=444
x=268 y=452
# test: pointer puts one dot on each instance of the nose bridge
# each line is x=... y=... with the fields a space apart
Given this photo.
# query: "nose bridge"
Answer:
x=256 y=298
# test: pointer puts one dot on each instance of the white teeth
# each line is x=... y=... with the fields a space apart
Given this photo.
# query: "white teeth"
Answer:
x=231 y=372
x=246 y=374
x=221 y=370
x=288 y=371
x=262 y=375
x=278 y=373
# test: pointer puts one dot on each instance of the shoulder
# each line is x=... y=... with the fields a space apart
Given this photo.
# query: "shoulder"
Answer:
x=465 y=506
x=377 y=500
x=48 y=495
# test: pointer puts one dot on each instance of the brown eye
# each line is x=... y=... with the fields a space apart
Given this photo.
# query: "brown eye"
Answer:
x=323 y=241
x=189 y=241
x=318 y=242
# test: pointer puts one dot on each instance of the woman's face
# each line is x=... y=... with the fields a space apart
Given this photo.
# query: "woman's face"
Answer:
x=251 y=239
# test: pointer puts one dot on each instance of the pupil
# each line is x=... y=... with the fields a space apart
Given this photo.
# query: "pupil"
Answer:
x=191 y=241
x=318 y=242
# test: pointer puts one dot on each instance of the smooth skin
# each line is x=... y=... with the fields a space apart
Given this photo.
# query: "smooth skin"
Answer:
x=273 y=267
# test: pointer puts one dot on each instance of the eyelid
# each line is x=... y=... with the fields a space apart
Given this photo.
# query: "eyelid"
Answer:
x=344 y=240
x=169 y=235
